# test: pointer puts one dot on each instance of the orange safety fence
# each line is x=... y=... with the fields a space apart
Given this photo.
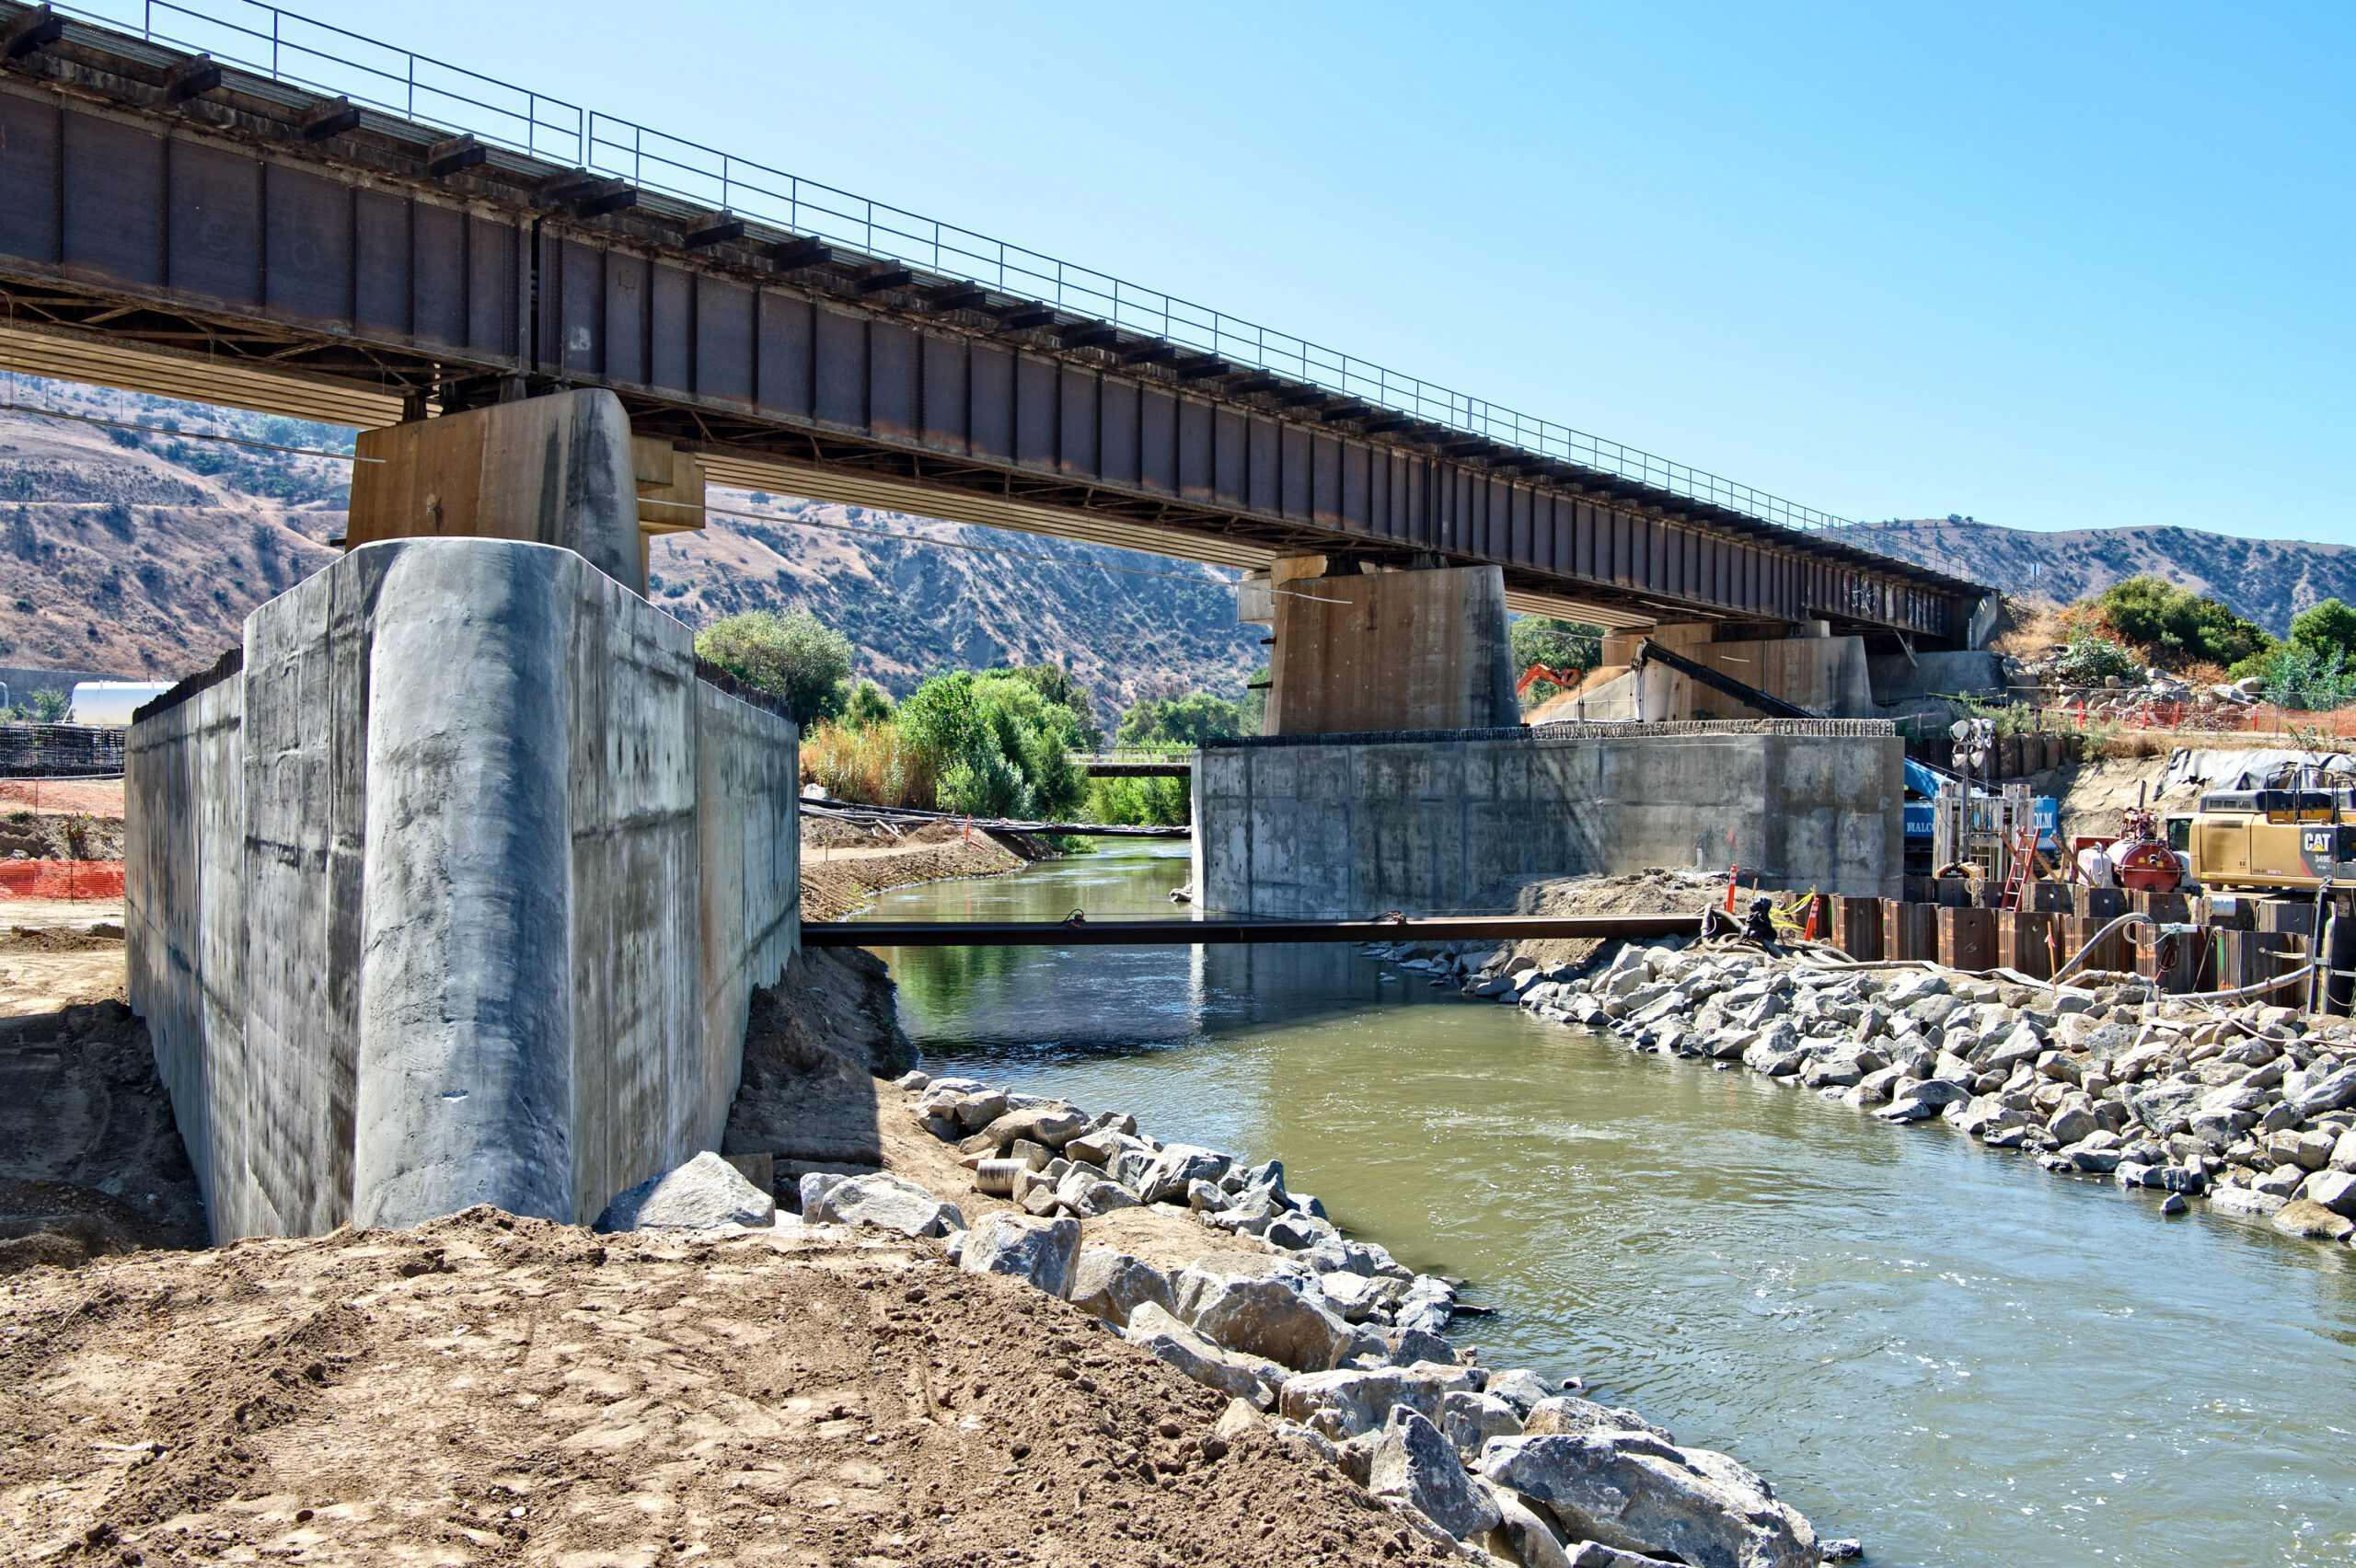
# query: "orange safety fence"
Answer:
x=2154 y=714
x=60 y=878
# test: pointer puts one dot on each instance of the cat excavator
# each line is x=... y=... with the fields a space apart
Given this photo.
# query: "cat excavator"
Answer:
x=2296 y=830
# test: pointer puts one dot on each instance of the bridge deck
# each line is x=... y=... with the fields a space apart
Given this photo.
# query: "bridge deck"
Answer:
x=288 y=248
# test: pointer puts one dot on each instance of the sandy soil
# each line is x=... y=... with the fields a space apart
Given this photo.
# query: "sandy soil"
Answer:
x=90 y=1160
x=46 y=964
x=63 y=797
x=839 y=875
x=1643 y=892
x=487 y=1388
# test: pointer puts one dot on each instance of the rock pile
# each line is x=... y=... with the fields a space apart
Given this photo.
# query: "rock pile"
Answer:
x=2252 y=1108
x=1326 y=1343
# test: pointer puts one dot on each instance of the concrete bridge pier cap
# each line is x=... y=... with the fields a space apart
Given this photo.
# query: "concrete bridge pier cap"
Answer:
x=452 y=885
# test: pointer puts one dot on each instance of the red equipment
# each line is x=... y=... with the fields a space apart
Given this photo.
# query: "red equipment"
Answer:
x=1567 y=679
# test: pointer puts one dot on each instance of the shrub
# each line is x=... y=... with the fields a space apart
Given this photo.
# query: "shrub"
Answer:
x=794 y=657
x=1180 y=722
x=868 y=704
x=2089 y=661
x=2311 y=679
x=870 y=763
x=2171 y=626
x=997 y=747
x=1156 y=803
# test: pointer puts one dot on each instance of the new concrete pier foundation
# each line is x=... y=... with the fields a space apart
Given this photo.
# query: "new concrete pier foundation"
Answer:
x=455 y=891
x=1348 y=826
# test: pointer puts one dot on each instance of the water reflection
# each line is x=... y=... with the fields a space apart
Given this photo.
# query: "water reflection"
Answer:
x=1961 y=1361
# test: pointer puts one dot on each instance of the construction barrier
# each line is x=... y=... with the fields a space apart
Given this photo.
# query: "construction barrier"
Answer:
x=100 y=879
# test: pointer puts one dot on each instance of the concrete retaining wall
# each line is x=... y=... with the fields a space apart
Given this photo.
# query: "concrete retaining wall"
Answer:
x=455 y=893
x=1350 y=826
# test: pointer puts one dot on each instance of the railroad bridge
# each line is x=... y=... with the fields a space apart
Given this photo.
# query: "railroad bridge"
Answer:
x=281 y=215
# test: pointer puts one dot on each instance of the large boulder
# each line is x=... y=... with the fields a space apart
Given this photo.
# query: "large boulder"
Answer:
x=1238 y=1376
x=1052 y=1125
x=1636 y=1492
x=1567 y=1414
x=703 y=1194
x=1343 y=1404
x=879 y=1199
x=1470 y=1420
x=1281 y=1318
x=2304 y=1216
x=1525 y=1535
x=2332 y=1091
x=1416 y=1465
x=1521 y=1387
x=1113 y=1284
x=1037 y=1251
x=1177 y=1165
x=2334 y=1190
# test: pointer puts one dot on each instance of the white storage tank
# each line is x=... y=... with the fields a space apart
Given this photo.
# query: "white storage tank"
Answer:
x=111 y=703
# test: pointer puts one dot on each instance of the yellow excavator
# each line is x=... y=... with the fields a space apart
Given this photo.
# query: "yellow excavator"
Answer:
x=2296 y=830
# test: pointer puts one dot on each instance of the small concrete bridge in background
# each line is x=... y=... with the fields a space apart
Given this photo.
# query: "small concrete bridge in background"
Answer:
x=1135 y=763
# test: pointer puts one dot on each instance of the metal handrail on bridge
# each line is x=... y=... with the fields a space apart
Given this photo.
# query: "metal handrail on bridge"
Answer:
x=335 y=61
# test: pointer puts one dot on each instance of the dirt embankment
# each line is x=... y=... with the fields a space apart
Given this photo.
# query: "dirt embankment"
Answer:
x=487 y=1388
x=843 y=867
x=1641 y=893
x=492 y=1389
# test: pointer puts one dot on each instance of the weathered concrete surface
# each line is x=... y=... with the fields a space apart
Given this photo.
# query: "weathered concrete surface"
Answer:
x=557 y=470
x=1394 y=651
x=1350 y=826
x=457 y=894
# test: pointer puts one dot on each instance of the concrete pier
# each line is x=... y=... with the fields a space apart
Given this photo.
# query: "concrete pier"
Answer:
x=1390 y=651
x=1348 y=826
x=456 y=891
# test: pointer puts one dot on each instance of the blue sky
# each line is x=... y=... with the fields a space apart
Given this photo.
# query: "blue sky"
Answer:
x=2049 y=266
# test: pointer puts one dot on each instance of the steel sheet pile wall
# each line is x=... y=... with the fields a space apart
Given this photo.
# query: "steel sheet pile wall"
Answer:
x=456 y=894
x=1349 y=826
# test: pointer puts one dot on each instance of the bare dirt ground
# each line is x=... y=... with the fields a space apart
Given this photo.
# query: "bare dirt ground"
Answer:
x=487 y=1388
x=63 y=797
x=50 y=961
x=1641 y=893
x=58 y=836
x=843 y=867
x=90 y=1160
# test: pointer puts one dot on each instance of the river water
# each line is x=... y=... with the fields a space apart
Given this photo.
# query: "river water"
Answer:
x=1925 y=1345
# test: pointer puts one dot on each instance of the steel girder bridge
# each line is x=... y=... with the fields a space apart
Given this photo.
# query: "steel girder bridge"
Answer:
x=231 y=203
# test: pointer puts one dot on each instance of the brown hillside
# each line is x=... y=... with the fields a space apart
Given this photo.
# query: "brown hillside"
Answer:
x=2268 y=580
x=141 y=554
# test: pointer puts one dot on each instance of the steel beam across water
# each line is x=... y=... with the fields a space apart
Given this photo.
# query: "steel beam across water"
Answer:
x=239 y=221
x=1181 y=933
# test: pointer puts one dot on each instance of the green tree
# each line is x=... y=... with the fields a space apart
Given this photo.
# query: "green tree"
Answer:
x=45 y=707
x=795 y=657
x=1054 y=684
x=2328 y=625
x=1568 y=646
x=995 y=745
x=868 y=704
x=1251 y=707
x=1187 y=721
x=2171 y=626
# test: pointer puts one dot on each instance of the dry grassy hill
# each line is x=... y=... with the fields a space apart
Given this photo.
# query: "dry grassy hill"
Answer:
x=2268 y=580
x=141 y=555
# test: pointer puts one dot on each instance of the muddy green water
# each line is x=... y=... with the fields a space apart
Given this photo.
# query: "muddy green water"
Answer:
x=1933 y=1347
